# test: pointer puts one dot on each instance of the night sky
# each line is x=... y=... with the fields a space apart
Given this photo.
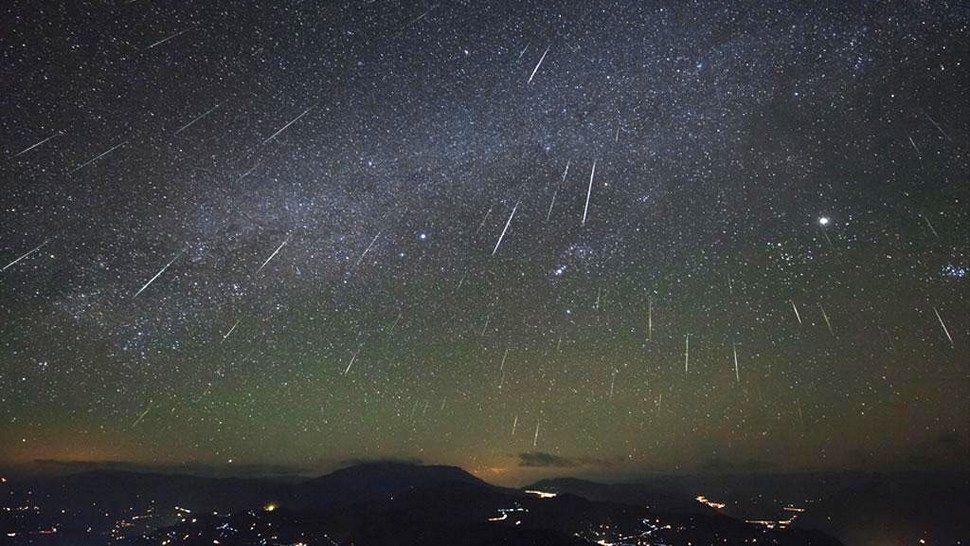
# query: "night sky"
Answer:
x=587 y=237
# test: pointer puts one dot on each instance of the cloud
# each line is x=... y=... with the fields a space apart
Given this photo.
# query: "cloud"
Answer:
x=389 y=460
x=539 y=459
x=84 y=466
x=255 y=470
x=195 y=469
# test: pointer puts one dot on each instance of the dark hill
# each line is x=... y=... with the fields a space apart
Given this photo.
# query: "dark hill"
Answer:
x=377 y=481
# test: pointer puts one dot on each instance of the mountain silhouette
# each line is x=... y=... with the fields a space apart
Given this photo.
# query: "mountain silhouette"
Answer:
x=377 y=481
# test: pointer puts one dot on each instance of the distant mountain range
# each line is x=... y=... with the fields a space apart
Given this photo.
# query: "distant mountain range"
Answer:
x=856 y=507
x=382 y=503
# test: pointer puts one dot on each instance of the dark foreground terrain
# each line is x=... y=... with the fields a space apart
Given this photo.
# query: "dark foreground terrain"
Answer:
x=391 y=503
x=854 y=507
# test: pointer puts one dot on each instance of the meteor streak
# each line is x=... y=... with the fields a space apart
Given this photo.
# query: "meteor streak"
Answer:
x=943 y=325
x=163 y=40
x=397 y=320
x=535 y=439
x=294 y=120
x=231 y=330
x=273 y=255
x=29 y=148
x=482 y=224
x=649 y=319
x=911 y=141
x=506 y=228
x=157 y=275
x=826 y=317
x=929 y=225
x=686 y=353
x=589 y=192
x=189 y=124
x=737 y=375
x=92 y=160
x=22 y=256
x=536 y=69
x=553 y=202
x=937 y=125
x=797 y=315
x=366 y=250
x=352 y=360
x=143 y=414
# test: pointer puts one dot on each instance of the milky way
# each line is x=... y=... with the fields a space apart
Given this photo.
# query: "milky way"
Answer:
x=295 y=234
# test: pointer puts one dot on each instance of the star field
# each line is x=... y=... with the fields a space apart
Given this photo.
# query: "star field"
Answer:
x=294 y=234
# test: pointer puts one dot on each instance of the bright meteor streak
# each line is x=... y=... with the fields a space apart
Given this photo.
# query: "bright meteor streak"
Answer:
x=536 y=69
x=506 y=228
x=943 y=325
x=589 y=192
x=273 y=255
x=28 y=253
x=159 y=274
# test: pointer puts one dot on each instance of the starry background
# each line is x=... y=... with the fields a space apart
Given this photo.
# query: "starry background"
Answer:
x=784 y=181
